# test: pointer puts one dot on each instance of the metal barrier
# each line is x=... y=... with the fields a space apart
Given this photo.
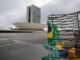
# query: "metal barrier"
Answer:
x=67 y=45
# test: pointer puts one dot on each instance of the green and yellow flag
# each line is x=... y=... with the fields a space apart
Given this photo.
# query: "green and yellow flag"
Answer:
x=50 y=30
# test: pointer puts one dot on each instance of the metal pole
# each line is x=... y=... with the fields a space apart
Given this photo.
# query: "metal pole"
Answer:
x=49 y=52
x=77 y=20
x=77 y=39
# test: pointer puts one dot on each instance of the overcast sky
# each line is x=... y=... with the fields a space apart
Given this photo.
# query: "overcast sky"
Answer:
x=12 y=11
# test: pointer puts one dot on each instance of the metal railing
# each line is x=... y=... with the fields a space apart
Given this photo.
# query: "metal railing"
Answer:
x=64 y=22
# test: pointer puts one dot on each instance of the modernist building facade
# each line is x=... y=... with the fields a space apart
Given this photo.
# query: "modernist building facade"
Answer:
x=33 y=14
x=33 y=20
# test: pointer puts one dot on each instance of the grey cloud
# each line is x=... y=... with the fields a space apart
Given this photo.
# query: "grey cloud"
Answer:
x=61 y=6
x=12 y=11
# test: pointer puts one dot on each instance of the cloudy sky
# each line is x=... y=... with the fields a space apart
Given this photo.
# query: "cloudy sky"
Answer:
x=12 y=11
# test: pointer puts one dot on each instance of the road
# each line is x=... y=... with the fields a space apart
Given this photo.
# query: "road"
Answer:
x=22 y=46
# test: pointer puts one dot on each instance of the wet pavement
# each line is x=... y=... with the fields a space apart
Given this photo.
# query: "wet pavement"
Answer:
x=23 y=46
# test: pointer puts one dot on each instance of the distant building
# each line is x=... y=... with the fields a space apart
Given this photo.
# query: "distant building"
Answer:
x=33 y=14
x=33 y=20
x=4 y=28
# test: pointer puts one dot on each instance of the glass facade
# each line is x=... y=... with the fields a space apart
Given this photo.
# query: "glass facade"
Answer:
x=34 y=14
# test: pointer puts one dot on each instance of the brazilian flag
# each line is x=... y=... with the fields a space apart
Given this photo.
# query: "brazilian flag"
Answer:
x=50 y=30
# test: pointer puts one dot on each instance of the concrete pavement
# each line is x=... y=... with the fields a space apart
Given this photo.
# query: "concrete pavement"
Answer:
x=23 y=46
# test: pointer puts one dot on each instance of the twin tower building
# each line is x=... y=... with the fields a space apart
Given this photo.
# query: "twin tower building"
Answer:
x=33 y=18
x=33 y=14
